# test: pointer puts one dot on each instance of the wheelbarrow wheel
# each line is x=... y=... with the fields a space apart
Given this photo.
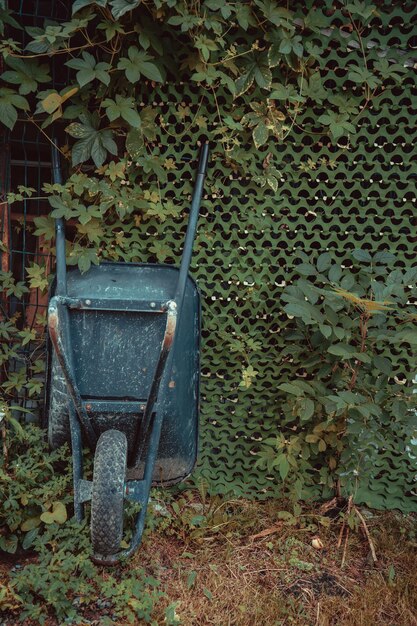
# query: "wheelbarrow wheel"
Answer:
x=108 y=492
x=57 y=407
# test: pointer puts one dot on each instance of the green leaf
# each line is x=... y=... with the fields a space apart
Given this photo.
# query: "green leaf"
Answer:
x=6 y=18
x=278 y=16
x=283 y=465
x=306 y=269
x=93 y=143
x=364 y=76
x=139 y=64
x=9 y=543
x=291 y=388
x=362 y=255
x=207 y=593
x=26 y=73
x=343 y=350
x=260 y=134
x=30 y=523
x=9 y=102
x=81 y=4
x=191 y=579
x=338 y=123
x=29 y=538
x=135 y=144
x=89 y=69
x=335 y=273
x=325 y=330
x=363 y=9
x=58 y=514
x=244 y=15
x=324 y=262
x=406 y=336
x=122 y=107
x=385 y=258
x=121 y=7
x=255 y=68
x=314 y=88
x=306 y=409
x=383 y=364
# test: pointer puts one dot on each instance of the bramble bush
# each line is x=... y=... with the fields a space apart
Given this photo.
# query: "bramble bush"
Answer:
x=347 y=401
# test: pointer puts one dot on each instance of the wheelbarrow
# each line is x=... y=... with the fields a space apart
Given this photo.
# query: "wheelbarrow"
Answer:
x=123 y=377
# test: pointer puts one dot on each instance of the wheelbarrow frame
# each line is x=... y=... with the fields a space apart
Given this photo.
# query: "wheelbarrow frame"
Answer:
x=148 y=434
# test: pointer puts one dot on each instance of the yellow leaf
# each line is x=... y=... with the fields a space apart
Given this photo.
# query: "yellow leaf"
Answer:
x=52 y=102
x=370 y=306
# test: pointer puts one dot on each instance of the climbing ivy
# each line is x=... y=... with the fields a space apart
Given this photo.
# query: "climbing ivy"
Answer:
x=265 y=54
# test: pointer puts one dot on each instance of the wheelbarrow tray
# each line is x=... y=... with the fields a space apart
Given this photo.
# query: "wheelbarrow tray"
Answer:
x=115 y=346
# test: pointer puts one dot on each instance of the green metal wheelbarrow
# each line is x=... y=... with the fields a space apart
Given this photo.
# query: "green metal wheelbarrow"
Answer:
x=123 y=377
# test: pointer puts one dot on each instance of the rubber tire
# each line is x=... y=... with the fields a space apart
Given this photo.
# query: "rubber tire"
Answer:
x=109 y=475
x=59 y=431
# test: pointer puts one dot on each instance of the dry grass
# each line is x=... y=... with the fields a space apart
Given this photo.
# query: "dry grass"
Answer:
x=240 y=563
x=221 y=575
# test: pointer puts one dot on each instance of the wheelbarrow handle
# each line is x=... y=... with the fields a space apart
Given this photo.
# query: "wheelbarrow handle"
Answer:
x=202 y=164
x=192 y=226
x=61 y=272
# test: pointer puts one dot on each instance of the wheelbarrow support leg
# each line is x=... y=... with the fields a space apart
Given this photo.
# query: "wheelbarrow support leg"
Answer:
x=55 y=313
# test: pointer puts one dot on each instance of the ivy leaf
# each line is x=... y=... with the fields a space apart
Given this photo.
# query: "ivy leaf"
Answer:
x=364 y=76
x=390 y=70
x=161 y=249
x=84 y=258
x=244 y=15
x=37 y=277
x=9 y=102
x=26 y=73
x=162 y=210
x=284 y=92
x=345 y=104
x=135 y=144
x=255 y=69
x=122 y=107
x=205 y=45
x=292 y=44
x=260 y=134
x=6 y=18
x=153 y=164
x=315 y=20
x=27 y=335
x=111 y=29
x=248 y=374
x=338 y=123
x=279 y=16
x=186 y=21
x=45 y=227
x=92 y=142
x=81 y=4
x=139 y=64
x=363 y=9
x=313 y=88
x=120 y=7
x=92 y=229
x=89 y=69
